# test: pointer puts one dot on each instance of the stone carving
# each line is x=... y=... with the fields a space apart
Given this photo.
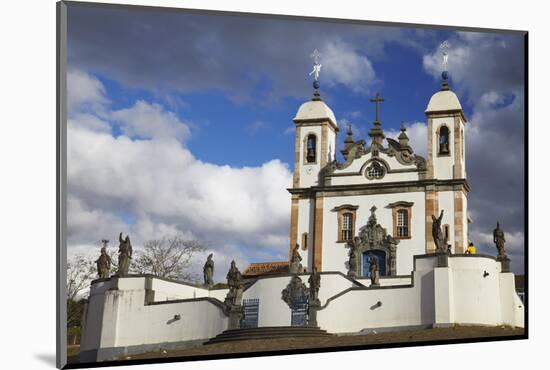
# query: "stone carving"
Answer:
x=104 y=262
x=208 y=271
x=124 y=255
x=235 y=283
x=498 y=239
x=233 y=299
x=374 y=273
x=314 y=302
x=372 y=236
x=295 y=293
x=439 y=237
x=295 y=265
x=314 y=285
x=352 y=262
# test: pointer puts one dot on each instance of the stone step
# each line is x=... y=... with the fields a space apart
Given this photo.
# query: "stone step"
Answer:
x=268 y=333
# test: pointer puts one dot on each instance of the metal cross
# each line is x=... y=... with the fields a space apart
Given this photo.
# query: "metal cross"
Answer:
x=377 y=100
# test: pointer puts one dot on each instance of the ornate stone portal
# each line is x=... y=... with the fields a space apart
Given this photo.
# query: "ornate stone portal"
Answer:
x=372 y=236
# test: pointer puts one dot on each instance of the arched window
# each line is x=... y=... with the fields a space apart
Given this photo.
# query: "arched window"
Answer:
x=403 y=223
x=347 y=226
x=444 y=140
x=311 y=144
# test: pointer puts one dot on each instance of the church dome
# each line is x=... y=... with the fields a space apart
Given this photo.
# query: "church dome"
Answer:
x=444 y=100
x=315 y=110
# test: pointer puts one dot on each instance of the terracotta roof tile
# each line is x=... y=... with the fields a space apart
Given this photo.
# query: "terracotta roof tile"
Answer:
x=263 y=268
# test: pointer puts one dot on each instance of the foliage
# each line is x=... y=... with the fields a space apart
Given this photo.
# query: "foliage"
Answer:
x=168 y=257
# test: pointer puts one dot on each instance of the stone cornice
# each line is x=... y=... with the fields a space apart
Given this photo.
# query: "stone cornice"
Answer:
x=387 y=187
x=447 y=113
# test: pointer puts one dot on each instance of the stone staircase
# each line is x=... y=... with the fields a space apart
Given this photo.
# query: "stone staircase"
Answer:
x=268 y=332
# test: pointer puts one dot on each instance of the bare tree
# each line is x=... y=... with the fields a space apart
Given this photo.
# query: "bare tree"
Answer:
x=169 y=257
x=80 y=272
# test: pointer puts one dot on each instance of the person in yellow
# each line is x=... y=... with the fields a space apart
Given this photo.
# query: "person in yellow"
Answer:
x=471 y=249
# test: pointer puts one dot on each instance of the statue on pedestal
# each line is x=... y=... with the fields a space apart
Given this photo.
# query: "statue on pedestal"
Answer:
x=352 y=262
x=235 y=283
x=374 y=273
x=498 y=239
x=295 y=266
x=124 y=255
x=233 y=299
x=314 y=285
x=208 y=271
x=104 y=262
x=439 y=237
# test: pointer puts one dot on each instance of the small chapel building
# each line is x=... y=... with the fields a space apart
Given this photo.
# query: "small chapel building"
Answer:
x=383 y=195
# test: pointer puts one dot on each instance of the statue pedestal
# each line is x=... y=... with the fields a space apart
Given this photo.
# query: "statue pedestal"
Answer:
x=235 y=315
x=442 y=259
x=312 y=313
x=505 y=262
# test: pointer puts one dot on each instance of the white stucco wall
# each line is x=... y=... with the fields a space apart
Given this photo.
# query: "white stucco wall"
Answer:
x=471 y=290
x=335 y=255
x=166 y=290
x=305 y=225
x=272 y=310
x=401 y=307
x=355 y=173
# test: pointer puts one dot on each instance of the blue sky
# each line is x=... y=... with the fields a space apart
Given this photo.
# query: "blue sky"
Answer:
x=183 y=123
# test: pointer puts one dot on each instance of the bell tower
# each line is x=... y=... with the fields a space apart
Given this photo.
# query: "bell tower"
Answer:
x=446 y=165
x=315 y=147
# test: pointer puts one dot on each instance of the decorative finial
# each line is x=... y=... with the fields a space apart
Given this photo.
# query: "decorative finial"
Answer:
x=403 y=128
x=104 y=242
x=316 y=69
x=444 y=47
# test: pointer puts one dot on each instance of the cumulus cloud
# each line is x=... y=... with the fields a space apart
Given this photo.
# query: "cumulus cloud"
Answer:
x=418 y=136
x=146 y=121
x=232 y=54
x=346 y=66
x=145 y=182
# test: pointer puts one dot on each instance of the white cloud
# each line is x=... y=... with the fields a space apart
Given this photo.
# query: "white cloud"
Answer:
x=344 y=65
x=146 y=120
x=418 y=137
x=155 y=187
x=86 y=92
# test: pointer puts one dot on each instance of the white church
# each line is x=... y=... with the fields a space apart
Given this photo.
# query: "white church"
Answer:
x=381 y=202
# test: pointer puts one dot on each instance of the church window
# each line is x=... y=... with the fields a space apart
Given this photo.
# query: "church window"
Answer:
x=304 y=241
x=402 y=220
x=375 y=171
x=311 y=147
x=347 y=226
x=446 y=230
x=443 y=140
x=346 y=222
x=403 y=223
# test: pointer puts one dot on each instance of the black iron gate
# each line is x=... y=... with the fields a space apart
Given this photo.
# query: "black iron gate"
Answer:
x=250 y=313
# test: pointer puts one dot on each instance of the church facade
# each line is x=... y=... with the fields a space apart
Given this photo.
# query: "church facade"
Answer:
x=381 y=179
x=382 y=233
